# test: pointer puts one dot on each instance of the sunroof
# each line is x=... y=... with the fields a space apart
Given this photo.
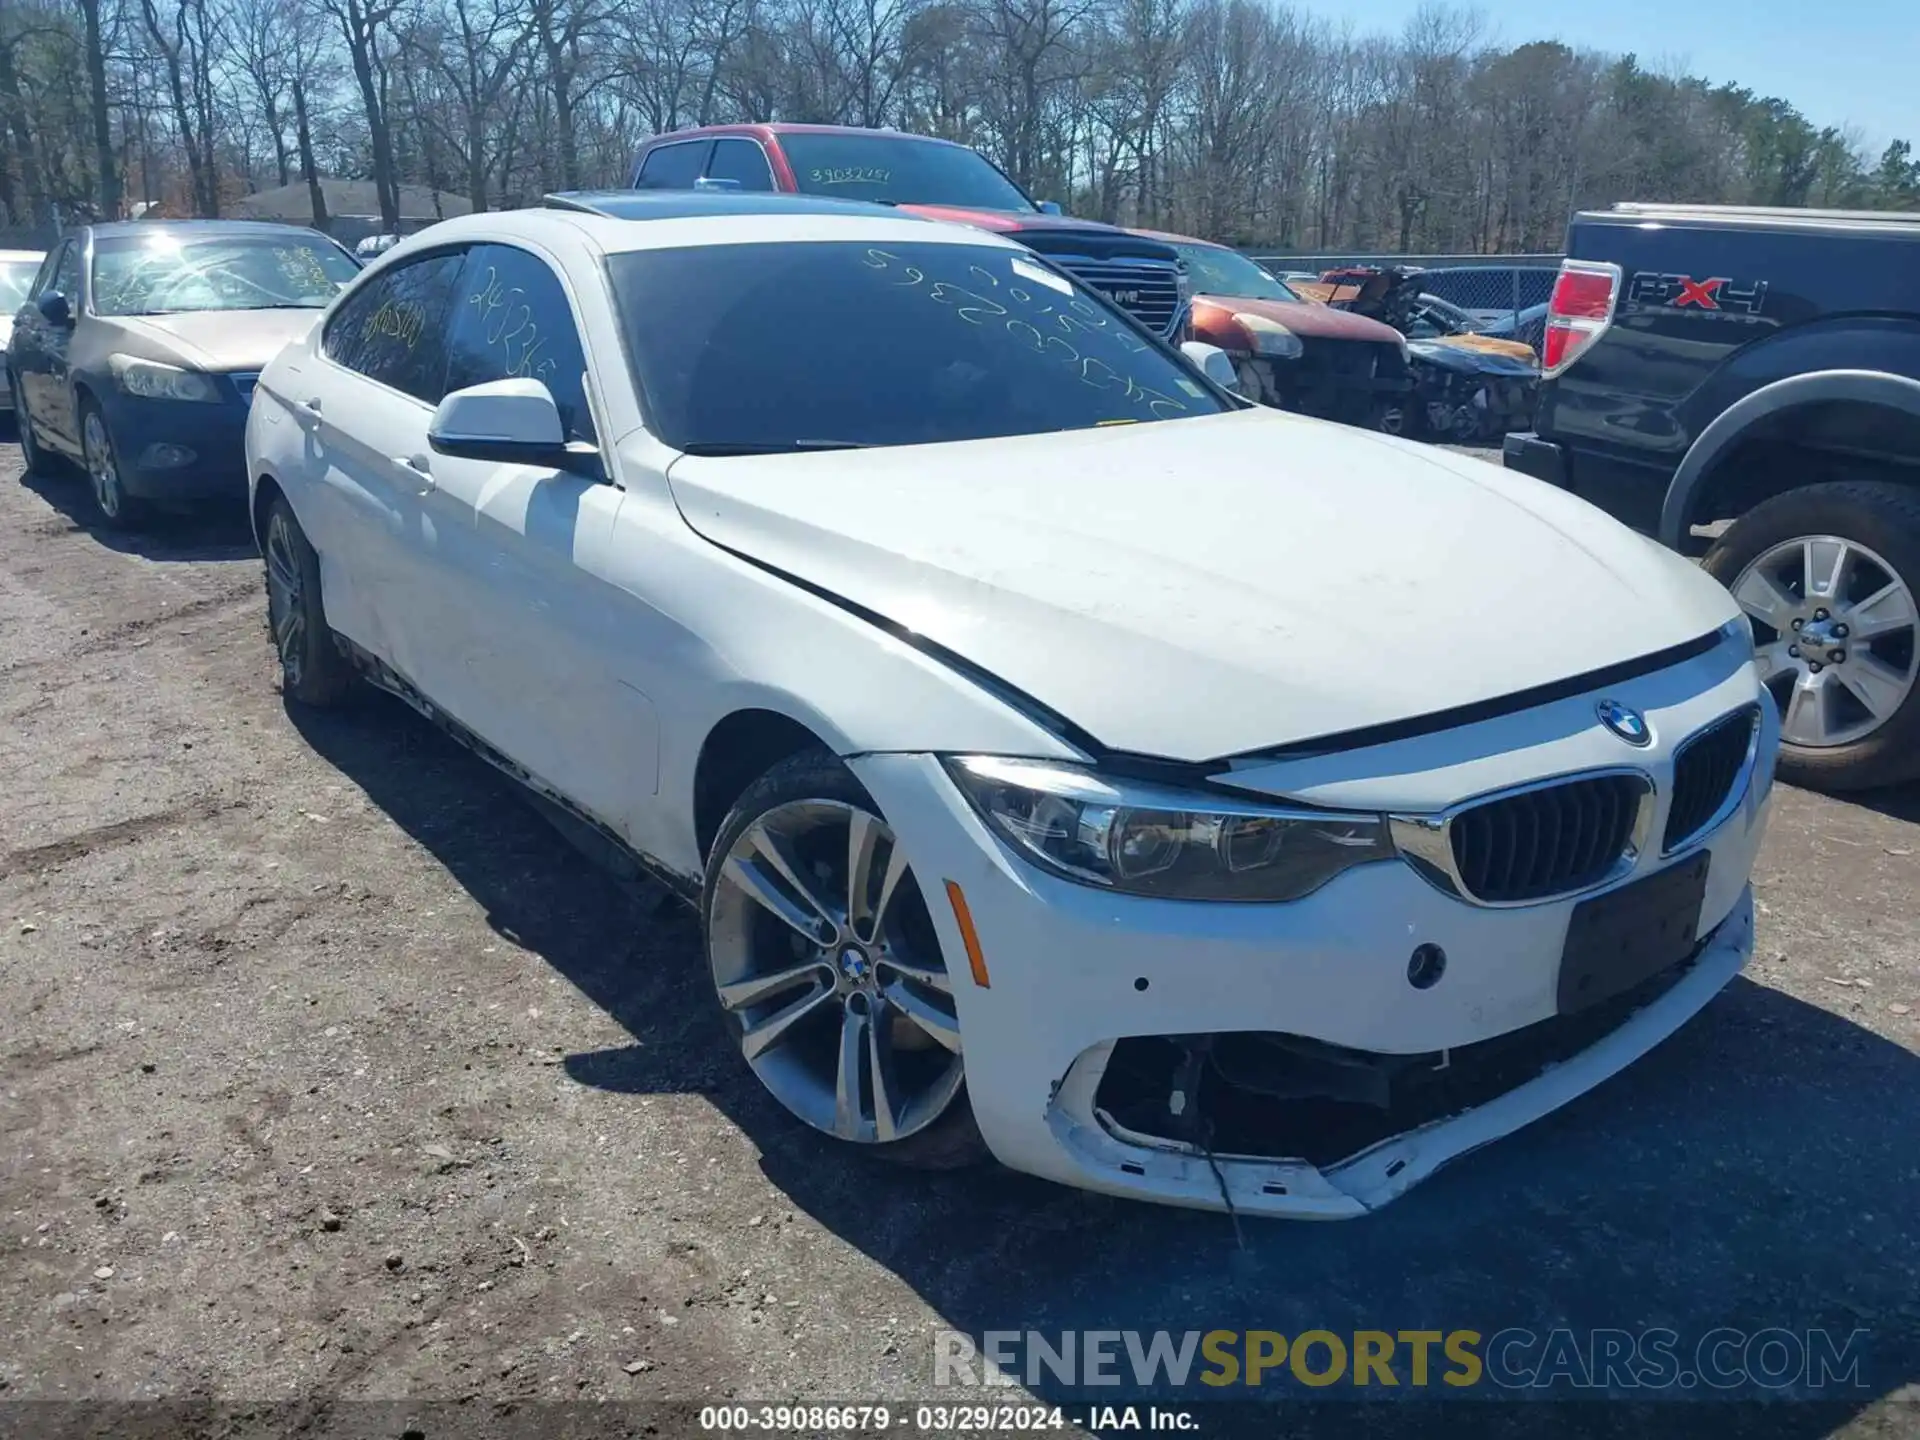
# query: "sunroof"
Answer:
x=686 y=204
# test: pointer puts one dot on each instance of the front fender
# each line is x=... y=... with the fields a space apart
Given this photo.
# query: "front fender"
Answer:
x=1863 y=386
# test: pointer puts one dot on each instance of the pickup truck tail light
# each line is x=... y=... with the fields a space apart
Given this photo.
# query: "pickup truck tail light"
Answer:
x=1584 y=295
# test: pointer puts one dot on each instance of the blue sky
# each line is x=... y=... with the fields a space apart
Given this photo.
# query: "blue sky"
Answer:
x=1843 y=62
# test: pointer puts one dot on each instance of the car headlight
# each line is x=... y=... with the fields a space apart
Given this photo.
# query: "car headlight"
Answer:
x=1155 y=840
x=152 y=380
x=1270 y=338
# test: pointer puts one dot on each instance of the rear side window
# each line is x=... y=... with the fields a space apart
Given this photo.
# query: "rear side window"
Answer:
x=394 y=329
x=513 y=322
x=740 y=160
x=672 y=167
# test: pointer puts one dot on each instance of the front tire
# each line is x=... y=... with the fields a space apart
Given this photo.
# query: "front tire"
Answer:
x=117 y=509
x=1828 y=576
x=827 y=968
x=313 y=670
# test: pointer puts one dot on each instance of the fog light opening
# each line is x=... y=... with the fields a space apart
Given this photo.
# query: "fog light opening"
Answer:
x=162 y=456
x=1425 y=966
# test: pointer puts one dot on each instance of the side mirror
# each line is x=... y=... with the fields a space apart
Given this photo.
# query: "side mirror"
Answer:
x=55 y=307
x=710 y=182
x=1051 y=207
x=512 y=421
x=1215 y=362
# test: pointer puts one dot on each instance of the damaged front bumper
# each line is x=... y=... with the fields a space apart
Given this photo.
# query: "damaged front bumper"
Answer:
x=1126 y=1162
x=1069 y=976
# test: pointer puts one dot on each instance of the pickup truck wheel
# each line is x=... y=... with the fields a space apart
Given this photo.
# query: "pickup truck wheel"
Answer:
x=1829 y=576
x=828 y=970
x=312 y=669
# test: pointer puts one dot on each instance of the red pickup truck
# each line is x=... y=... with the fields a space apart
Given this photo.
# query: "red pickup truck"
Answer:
x=935 y=178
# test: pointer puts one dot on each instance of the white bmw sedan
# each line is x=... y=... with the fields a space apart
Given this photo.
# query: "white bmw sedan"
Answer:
x=1167 y=796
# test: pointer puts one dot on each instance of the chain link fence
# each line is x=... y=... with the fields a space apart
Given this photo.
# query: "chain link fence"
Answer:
x=1503 y=295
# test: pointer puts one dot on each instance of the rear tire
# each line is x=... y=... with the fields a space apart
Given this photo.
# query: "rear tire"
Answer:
x=1859 y=725
x=313 y=669
x=34 y=460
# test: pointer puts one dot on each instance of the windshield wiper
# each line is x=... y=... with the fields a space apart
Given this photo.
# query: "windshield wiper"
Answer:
x=714 y=448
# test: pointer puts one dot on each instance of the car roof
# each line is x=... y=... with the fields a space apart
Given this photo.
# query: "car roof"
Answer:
x=790 y=127
x=23 y=254
x=120 y=229
x=582 y=231
x=689 y=204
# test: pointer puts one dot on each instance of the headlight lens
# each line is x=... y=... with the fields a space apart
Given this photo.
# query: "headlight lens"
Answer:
x=1154 y=840
x=152 y=380
x=1270 y=338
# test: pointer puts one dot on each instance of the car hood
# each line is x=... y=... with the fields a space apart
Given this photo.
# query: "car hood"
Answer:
x=218 y=339
x=1202 y=588
x=1214 y=314
x=1008 y=221
x=1489 y=345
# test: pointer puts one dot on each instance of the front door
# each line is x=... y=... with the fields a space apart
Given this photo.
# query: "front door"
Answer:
x=40 y=350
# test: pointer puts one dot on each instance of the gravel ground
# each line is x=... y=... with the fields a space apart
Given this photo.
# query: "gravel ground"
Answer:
x=331 y=1071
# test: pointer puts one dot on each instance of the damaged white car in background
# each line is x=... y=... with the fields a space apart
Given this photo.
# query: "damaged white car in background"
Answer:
x=1168 y=796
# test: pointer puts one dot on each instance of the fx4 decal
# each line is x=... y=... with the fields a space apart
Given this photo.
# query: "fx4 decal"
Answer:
x=1682 y=292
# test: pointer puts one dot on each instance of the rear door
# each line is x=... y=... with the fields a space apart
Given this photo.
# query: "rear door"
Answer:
x=365 y=395
x=540 y=641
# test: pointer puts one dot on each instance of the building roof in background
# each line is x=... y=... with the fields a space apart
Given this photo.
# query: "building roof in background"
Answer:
x=347 y=197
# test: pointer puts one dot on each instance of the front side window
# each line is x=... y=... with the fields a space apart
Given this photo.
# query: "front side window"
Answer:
x=742 y=161
x=899 y=170
x=65 y=279
x=512 y=321
x=673 y=167
x=1229 y=273
x=393 y=329
x=743 y=348
x=170 y=271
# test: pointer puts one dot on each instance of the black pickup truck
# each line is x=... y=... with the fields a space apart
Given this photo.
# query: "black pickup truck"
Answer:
x=1753 y=375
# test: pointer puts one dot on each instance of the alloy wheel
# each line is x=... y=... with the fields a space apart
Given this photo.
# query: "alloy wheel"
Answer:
x=1834 y=636
x=826 y=963
x=102 y=471
x=286 y=599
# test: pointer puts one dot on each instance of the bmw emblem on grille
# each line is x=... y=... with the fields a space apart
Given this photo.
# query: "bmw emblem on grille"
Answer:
x=1625 y=721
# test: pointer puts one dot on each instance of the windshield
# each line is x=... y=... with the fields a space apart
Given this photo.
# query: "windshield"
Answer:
x=899 y=170
x=16 y=278
x=748 y=348
x=1227 y=272
x=166 y=272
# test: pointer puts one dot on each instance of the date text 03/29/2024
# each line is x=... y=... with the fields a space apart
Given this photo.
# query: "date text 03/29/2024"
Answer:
x=942 y=1419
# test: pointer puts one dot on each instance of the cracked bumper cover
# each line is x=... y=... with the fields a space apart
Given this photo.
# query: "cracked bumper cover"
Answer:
x=1075 y=968
x=1365 y=1181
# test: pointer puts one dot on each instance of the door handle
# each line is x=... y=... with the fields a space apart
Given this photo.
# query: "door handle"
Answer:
x=419 y=467
x=308 y=411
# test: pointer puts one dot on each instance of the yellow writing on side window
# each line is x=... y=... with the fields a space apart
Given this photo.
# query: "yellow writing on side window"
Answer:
x=397 y=321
